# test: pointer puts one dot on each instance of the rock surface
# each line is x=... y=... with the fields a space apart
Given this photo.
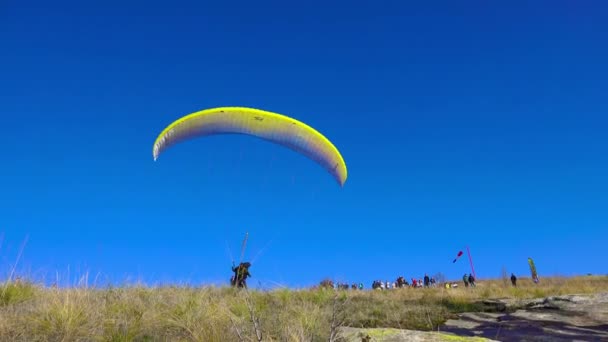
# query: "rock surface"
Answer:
x=559 y=318
x=398 y=335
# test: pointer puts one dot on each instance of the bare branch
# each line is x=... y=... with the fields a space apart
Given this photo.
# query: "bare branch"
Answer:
x=238 y=331
x=254 y=319
x=337 y=318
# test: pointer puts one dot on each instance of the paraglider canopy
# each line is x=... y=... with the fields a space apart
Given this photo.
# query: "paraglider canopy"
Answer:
x=273 y=127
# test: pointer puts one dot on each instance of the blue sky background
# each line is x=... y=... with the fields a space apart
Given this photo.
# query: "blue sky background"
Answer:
x=462 y=123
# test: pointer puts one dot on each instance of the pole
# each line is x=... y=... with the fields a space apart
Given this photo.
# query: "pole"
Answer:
x=243 y=245
x=471 y=261
x=238 y=272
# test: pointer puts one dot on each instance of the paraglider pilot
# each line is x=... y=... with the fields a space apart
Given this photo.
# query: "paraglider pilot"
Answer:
x=513 y=279
x=241 y=273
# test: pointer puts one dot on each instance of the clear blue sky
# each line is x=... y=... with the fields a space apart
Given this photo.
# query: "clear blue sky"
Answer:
x=461 y=123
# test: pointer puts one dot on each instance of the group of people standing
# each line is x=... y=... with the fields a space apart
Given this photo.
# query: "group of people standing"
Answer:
x=468 y=280
x=402 y=283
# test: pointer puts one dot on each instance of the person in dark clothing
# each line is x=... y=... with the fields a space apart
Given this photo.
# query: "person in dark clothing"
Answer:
x=513 y=279
x=241 y=273
x=465 y=279
x=427 y=280
x=471 y=280
x=401 y=282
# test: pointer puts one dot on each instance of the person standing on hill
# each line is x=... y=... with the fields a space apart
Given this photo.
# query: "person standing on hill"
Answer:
x=513 y=279
x=465 y=279
x=427 y=280
x=471 y=280
x=241 y=273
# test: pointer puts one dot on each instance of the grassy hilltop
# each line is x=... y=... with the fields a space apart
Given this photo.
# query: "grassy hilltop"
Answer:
x=29 y=312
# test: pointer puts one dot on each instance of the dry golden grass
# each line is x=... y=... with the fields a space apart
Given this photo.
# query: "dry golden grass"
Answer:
x=30 y=312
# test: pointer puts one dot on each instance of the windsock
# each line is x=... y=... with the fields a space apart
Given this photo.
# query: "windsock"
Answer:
x=533 y=269
x=457 y=256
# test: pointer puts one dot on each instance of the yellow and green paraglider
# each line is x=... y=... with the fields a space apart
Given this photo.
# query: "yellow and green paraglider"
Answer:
x=273 y=127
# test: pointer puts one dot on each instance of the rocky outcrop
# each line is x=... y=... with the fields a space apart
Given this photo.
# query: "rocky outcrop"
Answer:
x=559 y=318
x=399 y=335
